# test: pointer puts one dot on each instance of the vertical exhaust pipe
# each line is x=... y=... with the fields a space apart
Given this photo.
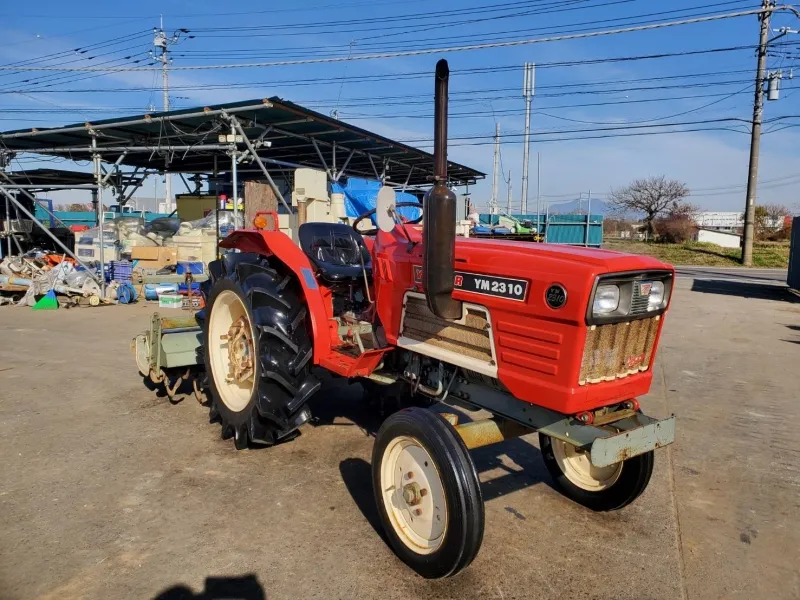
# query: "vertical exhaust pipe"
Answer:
x=439 y=214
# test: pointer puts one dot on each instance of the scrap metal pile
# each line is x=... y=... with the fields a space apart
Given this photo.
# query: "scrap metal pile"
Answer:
x=25 y=279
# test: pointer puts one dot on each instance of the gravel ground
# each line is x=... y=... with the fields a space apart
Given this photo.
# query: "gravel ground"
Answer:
x=109 y=491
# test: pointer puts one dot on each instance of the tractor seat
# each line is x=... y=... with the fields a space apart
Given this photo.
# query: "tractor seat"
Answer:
x=337 y=250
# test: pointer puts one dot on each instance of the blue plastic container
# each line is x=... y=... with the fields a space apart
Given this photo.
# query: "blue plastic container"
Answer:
x=120 y=270
x=153 y=290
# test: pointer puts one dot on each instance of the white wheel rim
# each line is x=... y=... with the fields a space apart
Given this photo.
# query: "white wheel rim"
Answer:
x=421 y=523
x=235 y=388
x=578 y=468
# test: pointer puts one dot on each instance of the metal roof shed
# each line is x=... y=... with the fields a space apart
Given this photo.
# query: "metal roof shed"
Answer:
x=279 y=132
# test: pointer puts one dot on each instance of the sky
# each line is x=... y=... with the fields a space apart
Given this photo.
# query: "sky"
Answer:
x=596 y=123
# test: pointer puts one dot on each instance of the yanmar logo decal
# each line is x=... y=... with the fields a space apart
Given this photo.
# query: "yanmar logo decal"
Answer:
x=634 y=361
x=417 y=273
x=489 y=285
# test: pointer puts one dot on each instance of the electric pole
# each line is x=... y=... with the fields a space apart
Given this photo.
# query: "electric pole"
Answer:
x=773 y=93
x=755 y=135
x=538 y=186
x=496 y=172
x=527 y=93
x=162 y=44
x=508 y=201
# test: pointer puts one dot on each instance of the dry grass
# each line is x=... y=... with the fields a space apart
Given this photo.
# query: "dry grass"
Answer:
x=765 y=254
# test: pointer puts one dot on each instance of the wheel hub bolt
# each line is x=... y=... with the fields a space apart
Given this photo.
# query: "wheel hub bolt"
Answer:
x=410 y=475
x=412 y=494
x=418 y=512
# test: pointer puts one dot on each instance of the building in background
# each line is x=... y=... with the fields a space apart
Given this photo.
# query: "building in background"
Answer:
x=720 y=238
x=731 y=221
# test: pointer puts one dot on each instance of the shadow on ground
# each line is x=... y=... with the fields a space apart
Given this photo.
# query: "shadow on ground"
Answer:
x=504 y=468
x=246 y=587
x=744 y=290
x=726 y=273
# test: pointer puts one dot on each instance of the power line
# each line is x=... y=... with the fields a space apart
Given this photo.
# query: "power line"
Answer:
x=455 y=73
x=79 y=50
x=462 y=48
x=473 y=37
x=382 y=20
x=567 y=86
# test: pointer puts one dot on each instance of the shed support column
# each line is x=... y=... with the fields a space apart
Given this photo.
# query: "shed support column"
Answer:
x=258 y=160
x=8 y=220
x=344 y=166
x=235 y=175
x=98 y=174
x=95 y=208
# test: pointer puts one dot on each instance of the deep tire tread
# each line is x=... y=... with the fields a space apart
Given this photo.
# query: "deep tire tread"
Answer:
x=281 y=336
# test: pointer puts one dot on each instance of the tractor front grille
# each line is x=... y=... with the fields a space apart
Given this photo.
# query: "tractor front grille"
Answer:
x=617 y=350
x=639 y=301
x=469 y=337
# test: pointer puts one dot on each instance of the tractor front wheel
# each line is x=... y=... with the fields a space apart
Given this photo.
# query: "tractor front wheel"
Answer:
x=598 y=488
x=427 y=491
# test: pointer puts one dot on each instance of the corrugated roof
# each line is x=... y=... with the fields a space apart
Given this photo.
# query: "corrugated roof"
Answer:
x=45 y=178
x=296 y=135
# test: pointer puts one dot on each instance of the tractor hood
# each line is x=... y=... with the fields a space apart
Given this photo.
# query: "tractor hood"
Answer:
x=533 y=254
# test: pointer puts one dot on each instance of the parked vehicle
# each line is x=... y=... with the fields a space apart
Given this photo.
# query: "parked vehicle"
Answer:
x=558 y=340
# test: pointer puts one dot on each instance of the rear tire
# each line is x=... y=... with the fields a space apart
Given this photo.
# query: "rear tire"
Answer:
x=436 y=528
x=597 y=488
x=258 y=387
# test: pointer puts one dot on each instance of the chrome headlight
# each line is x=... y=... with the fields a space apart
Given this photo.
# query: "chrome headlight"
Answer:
x=626 y=296
x=606 y=300
x=657 y=297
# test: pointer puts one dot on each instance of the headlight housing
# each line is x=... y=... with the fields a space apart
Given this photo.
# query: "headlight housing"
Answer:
x=618 y=297
x=657 y=297
x=606 y=299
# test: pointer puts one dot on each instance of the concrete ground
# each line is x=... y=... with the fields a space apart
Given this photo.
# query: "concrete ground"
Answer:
x=109 y=491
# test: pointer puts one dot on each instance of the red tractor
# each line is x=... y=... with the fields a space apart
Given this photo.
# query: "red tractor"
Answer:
x=552 y=339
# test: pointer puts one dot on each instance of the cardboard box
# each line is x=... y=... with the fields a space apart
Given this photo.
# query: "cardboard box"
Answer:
x=154 y=253
x=154 y=257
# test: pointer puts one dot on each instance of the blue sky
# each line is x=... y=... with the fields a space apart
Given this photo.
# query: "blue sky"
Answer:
x=570 y=99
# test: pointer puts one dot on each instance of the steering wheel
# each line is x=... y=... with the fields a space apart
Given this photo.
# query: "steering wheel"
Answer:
x=371 y=212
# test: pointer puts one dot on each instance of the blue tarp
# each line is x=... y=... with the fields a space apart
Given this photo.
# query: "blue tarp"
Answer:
x=360 y=196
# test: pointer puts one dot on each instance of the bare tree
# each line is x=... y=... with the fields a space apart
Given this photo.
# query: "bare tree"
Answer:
x=650 y=197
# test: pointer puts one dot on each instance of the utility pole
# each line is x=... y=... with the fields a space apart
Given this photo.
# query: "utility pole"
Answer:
x=496 y=172
x=162 y=44
x=527 y=93
x=538 y=186
x=773 y=93
x=508 y=201
x=755 y=135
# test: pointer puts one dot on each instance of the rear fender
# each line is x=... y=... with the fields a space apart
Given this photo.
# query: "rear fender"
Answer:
x=318 y=299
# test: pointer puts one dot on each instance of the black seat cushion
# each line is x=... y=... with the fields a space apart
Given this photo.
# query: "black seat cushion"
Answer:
x=336 y=249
